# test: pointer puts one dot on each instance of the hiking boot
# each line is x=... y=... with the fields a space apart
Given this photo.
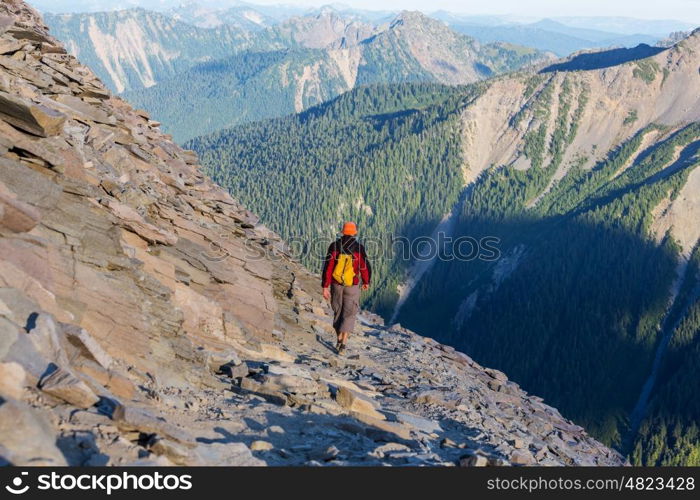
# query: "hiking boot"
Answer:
x=341 y=349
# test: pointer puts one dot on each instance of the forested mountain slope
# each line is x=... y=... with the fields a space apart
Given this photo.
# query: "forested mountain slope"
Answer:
x=587 y=178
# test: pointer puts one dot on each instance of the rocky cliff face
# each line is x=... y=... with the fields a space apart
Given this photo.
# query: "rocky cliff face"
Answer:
x=147 y=317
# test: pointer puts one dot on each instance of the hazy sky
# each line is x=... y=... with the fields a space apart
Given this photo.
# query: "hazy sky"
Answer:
x=683 y=10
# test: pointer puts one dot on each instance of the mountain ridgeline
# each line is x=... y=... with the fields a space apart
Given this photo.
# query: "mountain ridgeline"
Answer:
x=196 y=80
x=546 y=34
x=589 y=180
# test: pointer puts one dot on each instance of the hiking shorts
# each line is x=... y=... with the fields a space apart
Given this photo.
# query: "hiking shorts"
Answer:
x=345 y=301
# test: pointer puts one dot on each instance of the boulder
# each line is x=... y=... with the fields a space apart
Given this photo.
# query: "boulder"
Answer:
x=251 y=386
x=131 y=418
x=175 y=452
x=261 y=350
x=66 y=386
x=357 y=403
x=10 y=46
x=261 y=446
x=42 y=331
x=290 y=383
x=12 y=380
x=62 y=69
x=420 y=423
x=379 y=429
x=495 y=374
x=83 y=344
x=473 y=460
x=27 y=436
x=117 y=384
x=33 y=118
x=34 y=351
x=388 y=448
x=522 y=457
x=234 y=370
x=40 y=79
x=518 y=443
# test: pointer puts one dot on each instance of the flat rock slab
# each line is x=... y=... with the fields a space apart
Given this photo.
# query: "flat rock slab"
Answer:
x=66 y=386
x=30 y=117
x=250 y=386
x=381 y=430
x=357 y=402
x=420 y=423
x=132 y=418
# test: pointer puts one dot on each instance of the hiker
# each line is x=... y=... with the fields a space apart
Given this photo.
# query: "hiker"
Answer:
x=345 y=265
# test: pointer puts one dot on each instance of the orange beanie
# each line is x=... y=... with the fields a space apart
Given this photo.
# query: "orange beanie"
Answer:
x=349 y=229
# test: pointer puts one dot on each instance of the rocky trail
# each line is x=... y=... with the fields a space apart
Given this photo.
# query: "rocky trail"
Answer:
x=393 y=399
x=146 y=317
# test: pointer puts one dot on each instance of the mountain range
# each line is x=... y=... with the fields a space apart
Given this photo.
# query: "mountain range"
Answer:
x=249 y=62
x=549 y=35
x=147 y=318
x=279 y=70
x=560 y=35
x=584 y=173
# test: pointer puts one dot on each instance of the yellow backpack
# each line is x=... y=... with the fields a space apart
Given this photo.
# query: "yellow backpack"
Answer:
x=344 y=272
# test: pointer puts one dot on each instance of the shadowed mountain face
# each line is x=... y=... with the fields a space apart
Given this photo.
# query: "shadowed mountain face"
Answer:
x=589 y=182
x=148 y=318
x=604 y=58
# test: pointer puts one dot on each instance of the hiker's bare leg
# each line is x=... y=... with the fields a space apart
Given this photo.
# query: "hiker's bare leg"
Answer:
x=344 y=337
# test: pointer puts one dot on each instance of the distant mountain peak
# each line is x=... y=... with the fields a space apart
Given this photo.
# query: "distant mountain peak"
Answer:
x=413 y=19
x=412 y=16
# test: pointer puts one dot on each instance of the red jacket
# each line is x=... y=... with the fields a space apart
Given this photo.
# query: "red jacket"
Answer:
x=346 y=245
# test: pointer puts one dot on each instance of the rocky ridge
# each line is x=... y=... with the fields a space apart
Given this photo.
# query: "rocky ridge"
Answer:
x=146 y=317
